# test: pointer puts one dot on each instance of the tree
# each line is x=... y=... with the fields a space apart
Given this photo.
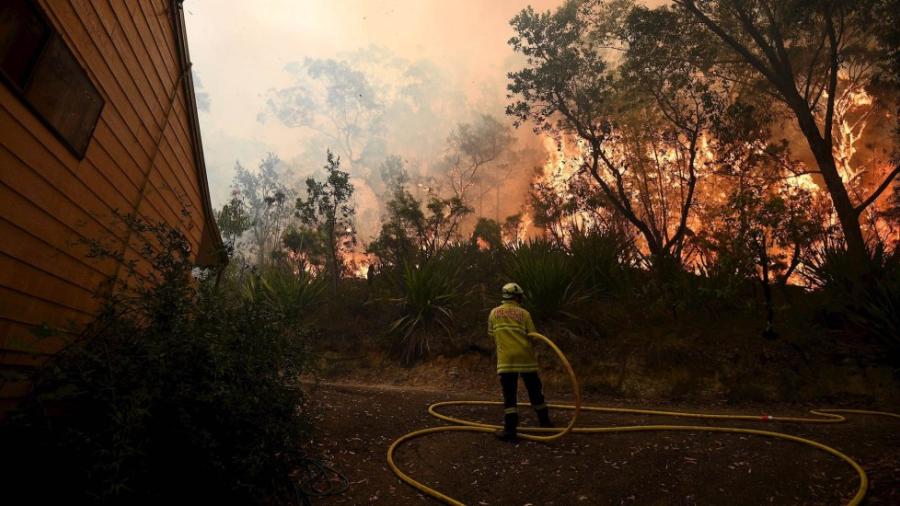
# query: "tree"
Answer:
x=762 y=232
x=640 y=147
x=233 y=220
x=442 y=223
x=472 y=147
x=335 y=99
x=410 y=233
x=393 y=173
x=488 y=231
x=328 y=209
x=403 y=232
x=306 y=248
x=804 y=54
x=511 y=228
x=550 y=210
x=266 y=200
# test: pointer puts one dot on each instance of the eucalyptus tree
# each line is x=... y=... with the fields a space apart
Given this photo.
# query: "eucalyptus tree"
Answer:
x=807 y=56
x=336 y=100
x=638 y=121
x=471 y=149
x=233 y=220
x=415 y=230
x=265 y=201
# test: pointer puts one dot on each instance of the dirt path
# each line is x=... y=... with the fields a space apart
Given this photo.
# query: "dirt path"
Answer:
x=357 y=423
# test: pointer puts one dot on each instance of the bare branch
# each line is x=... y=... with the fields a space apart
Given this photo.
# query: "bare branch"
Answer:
x=741 y=49
x=878 y=191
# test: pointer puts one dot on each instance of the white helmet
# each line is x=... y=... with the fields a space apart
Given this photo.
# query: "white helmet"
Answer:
x=512 y=291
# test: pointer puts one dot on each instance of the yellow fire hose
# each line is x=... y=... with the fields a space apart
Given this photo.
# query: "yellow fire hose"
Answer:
x=824 y=416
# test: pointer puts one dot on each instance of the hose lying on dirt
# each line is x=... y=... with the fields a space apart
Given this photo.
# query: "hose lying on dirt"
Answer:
x=315 y=479
x=533 y=434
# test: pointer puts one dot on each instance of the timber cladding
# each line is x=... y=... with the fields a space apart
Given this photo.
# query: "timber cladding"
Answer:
x=142 y=155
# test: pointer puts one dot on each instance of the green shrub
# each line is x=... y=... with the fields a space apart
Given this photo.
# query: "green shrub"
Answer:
x=715 y=290
x=723 y=280
x=178 y=393
x=478 y=267
x=547 y=274
x=429 y=292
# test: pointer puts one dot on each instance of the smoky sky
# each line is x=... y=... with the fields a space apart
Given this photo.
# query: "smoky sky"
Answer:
x=429 y=64
x=241 y=51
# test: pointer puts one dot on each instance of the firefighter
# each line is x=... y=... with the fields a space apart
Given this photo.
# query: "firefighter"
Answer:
x=509 y=324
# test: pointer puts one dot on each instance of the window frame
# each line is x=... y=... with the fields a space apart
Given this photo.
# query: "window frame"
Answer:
x=20 y=93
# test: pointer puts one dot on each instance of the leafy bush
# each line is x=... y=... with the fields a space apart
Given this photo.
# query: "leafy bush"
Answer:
x=547 y=274
x=178 y=393
x=429 y=292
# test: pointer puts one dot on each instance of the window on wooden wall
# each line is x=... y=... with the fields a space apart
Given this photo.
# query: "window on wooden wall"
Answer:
x=36 y=63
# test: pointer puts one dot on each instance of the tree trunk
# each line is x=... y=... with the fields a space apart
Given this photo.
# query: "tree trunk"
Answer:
x=847 y=215
x=331 y=266
x=769 y=332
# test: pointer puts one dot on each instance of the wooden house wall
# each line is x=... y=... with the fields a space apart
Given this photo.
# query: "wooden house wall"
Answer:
x=140 y=160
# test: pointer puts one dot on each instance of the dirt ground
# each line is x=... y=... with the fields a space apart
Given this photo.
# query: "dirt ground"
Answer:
x=356 y=424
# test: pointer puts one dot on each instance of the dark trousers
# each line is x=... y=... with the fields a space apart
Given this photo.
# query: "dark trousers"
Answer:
x=509 y=381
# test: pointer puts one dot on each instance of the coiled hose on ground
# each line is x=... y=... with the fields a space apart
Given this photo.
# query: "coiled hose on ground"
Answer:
x=314 y=480
x=534 y=434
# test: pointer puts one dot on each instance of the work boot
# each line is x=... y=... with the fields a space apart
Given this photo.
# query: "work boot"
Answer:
x=504 y=435
x=543 y=415
x=510 y=423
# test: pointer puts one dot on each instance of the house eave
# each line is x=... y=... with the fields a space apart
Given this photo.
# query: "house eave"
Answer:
x=213 y=238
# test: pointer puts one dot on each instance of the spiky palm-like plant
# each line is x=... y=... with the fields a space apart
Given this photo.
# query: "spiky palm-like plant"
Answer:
x=291 y=295
x=868 y=301
x=429 y=290
x=549 y=277
x=602 y=257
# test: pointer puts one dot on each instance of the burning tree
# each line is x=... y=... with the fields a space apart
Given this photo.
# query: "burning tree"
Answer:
x=640 y=126
x=807 y=56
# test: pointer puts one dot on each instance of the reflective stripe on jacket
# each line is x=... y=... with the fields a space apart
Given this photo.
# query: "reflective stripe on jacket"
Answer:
x=509 y=325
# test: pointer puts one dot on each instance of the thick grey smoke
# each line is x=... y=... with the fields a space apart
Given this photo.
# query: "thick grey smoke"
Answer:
x=371 y=106
x=431 y=65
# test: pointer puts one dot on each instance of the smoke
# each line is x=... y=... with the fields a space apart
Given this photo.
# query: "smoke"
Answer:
x=370 y=105
x=425 y=67
x=202 y=96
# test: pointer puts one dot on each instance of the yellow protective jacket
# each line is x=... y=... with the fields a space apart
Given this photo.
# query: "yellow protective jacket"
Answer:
x=509 y=325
